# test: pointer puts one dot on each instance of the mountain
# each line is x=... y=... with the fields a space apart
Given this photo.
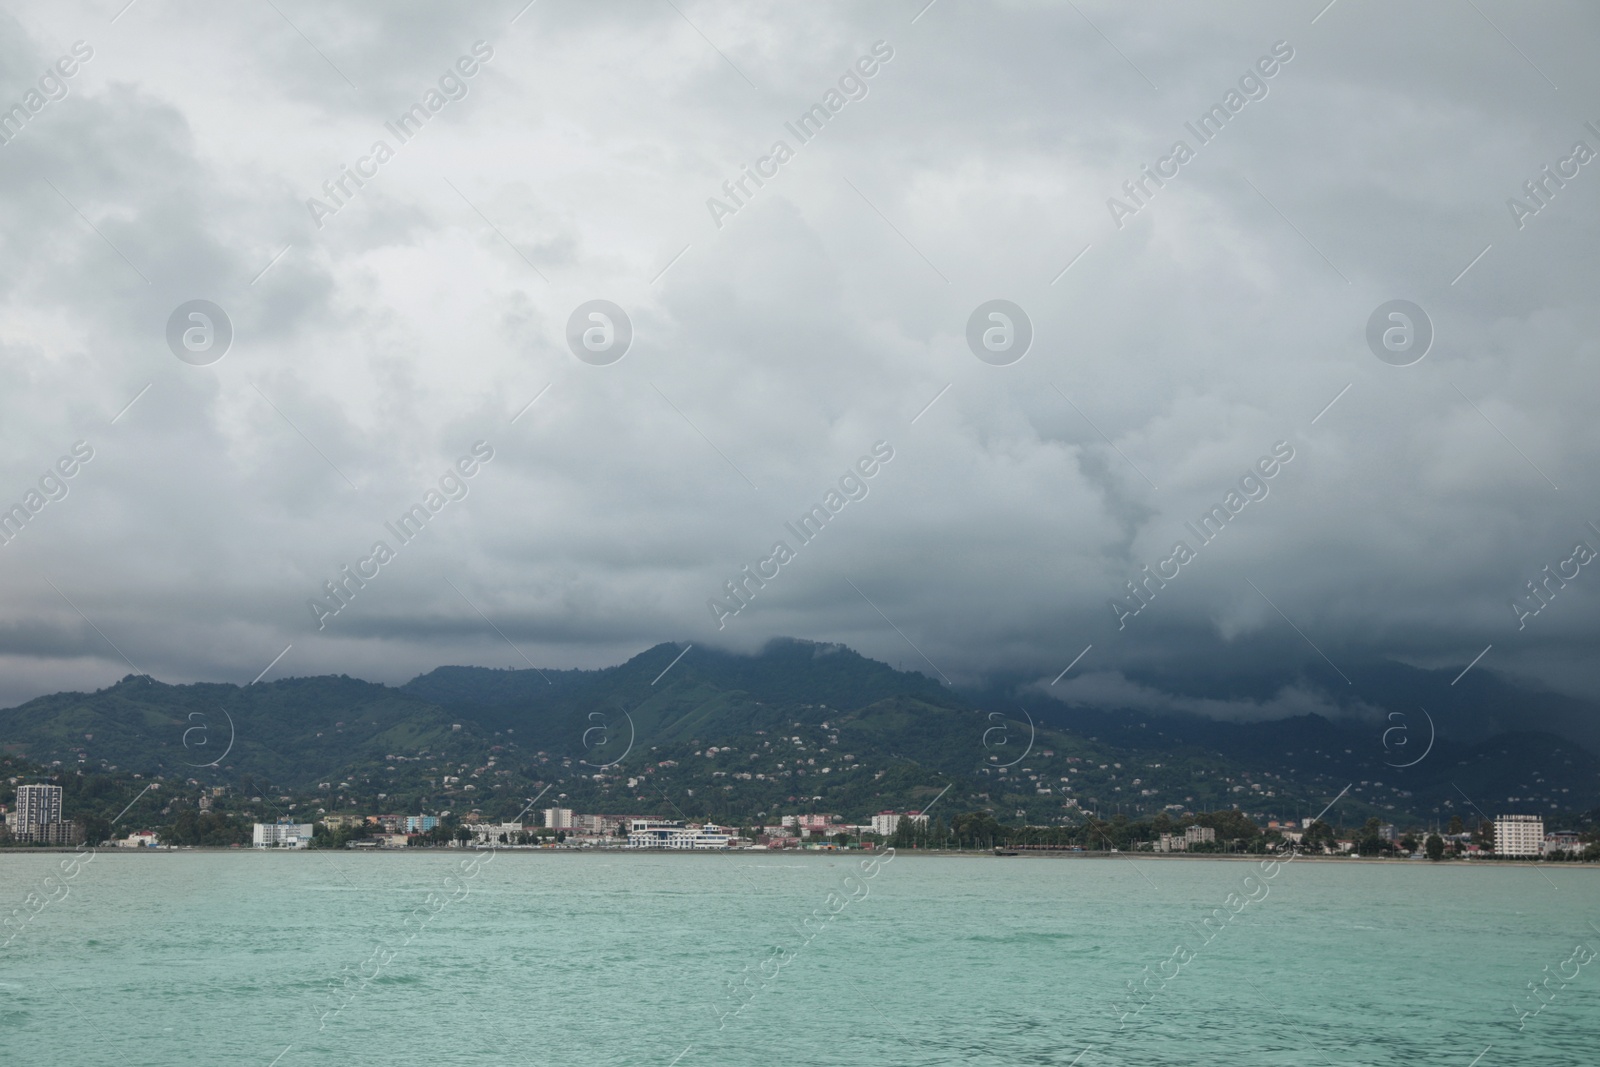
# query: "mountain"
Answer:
x=799 y=726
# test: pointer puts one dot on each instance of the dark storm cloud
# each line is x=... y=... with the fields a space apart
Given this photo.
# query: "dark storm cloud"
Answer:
x=823 y=316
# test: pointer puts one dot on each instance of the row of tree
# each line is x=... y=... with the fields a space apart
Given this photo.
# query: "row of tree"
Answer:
x=981 y=830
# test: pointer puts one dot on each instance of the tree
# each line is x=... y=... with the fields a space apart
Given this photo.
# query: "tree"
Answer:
x=975 y=829
x=1319 y=836
x=1371 y=842
x=1435 y=847
x=1455 y=825
x=205 y=828
x=96 y=828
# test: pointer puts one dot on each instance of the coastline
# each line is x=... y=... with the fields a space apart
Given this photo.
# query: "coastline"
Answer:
x=1162 y=857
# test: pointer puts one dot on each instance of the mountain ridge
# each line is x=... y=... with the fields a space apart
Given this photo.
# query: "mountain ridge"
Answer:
x=799 y=724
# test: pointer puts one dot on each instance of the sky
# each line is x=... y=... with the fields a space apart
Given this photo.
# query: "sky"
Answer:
x=763 y=345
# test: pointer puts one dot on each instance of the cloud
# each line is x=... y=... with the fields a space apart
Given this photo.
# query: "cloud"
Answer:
x=824 y=316
x=1112 y=689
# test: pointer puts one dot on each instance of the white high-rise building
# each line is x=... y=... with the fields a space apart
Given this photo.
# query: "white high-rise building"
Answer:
x=885 y=823
x=37 y=806
x=1518 y=835
x=38 y=816
x=282 y=835
x=558 y=818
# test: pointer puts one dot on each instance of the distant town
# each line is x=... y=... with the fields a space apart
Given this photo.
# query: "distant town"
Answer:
x=37 y=819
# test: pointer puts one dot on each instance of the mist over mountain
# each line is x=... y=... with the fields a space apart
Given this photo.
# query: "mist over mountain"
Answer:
x=1480 y=704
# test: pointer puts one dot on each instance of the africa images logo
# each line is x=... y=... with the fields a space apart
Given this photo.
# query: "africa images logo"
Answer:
x=452 y=85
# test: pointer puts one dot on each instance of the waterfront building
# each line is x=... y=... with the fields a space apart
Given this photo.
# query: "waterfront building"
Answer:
x=558 y=818
x=61 y=832
x=37 y=806
x=282 y=834
x=1196 y=835
x=661 y=833
x=1518 y=835
x=421 y=824
x=37 y=818
x=1559 y=841
x=496 y=833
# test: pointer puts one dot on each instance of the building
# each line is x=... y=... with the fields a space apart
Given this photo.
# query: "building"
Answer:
x=37 y=818
x=1196 y=835
x=1559 y=841
x=1518 y=835
x=282 y=834
x=61 y=832
x=1172 y=843
x=38 y=807
x=885 y=823
x=139 y=839
x=421 y=824
x=496 y=833
x=659 y=833
x=597 y=824
x=558 y=818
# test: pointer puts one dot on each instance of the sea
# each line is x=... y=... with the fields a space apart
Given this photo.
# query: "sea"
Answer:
x=284 y=959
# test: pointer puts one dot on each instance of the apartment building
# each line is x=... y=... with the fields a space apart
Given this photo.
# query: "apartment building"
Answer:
x=1518 y=835
x=282 y=834
x=660 y=833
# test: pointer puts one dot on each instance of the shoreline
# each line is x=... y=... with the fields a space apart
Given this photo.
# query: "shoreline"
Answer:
x=1163 y=857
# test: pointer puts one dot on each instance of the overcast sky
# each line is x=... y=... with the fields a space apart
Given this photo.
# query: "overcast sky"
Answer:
x=780 y=334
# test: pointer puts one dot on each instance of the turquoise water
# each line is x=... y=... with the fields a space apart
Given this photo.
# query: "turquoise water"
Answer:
x=538 y=958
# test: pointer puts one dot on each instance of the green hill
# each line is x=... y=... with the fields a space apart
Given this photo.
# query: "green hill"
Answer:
x=797 y=727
